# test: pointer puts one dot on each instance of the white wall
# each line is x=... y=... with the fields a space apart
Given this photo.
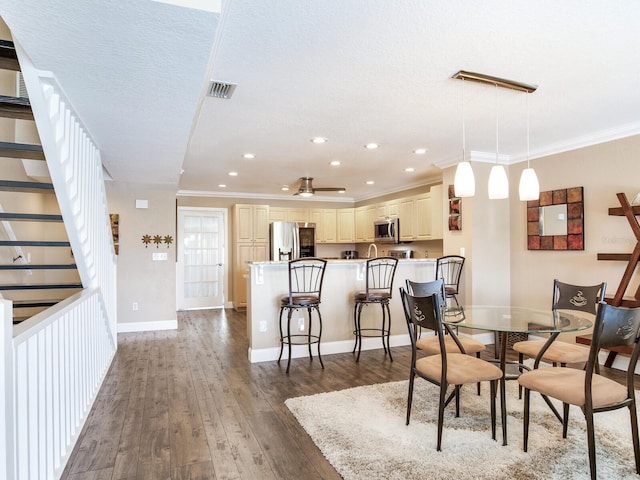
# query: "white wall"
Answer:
x=151 y=284
x=603 y=170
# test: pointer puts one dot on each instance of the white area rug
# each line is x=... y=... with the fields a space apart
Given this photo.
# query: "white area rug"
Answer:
x=362 y=432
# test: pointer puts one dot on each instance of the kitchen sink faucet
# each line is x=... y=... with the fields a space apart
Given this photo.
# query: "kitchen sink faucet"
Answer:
x=369 y=250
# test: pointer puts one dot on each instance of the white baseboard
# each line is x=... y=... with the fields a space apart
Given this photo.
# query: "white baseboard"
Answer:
x=147 y=326
x=341 y=346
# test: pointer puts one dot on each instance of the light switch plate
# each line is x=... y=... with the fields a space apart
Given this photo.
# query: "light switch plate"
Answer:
x=159 y=256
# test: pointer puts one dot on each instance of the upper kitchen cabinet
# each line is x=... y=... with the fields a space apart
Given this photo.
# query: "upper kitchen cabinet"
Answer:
x=421 y=216
x=346 y=225
x=283 y=214
x=326 y=224
x=297 y=215
x=365 y=216
x=277 y=214
x=251 y=223
x=429 y=215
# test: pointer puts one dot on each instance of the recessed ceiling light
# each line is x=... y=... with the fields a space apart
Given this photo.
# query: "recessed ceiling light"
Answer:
x=370 y=182
x=248 y=155
x=409 y=169
x=319 y=140
x=285 y=188
x=233 y=174
x=334 y=163
x=371 y=146
x=222 y=185
x=181 y=171
x=420 y=151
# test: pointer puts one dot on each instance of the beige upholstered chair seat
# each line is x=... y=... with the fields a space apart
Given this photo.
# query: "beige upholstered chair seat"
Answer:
x=300 y=299
x=431 y=345
x=559 y=352
x=461 y=369
x=567 y=385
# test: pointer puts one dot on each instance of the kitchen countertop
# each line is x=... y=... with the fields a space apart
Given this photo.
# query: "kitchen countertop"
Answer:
x=343 y=260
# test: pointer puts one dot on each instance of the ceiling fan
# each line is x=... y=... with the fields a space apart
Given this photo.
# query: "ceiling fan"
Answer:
x=306 y=189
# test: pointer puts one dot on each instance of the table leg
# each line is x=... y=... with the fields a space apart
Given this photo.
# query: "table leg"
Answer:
x=503 y=385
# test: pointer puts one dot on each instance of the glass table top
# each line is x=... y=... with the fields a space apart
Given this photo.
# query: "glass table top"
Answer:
x=517 y=319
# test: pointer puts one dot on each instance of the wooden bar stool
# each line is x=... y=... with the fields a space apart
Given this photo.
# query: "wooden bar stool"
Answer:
x=305 y=290
x=379 y=285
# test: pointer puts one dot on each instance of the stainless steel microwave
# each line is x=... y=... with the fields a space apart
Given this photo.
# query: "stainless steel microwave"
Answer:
x=387 y=231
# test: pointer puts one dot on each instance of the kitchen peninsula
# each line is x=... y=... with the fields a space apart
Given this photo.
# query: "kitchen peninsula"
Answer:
x=268 y=281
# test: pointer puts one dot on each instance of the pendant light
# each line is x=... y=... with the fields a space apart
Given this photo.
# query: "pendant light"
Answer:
x=529 y=187
x=498 y=182
x=464 y=183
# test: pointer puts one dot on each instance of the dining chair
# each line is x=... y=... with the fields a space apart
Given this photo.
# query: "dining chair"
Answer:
x=305 y=291
x=445 y=368
x=593 y=393
x=380 y=272
x=449 y=268
x=565 y=297
x=430 y=345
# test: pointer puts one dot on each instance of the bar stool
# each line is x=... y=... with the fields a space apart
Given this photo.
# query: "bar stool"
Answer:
x=379 y=285
x=305 y=290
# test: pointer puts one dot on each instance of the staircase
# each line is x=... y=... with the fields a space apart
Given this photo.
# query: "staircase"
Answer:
x=26 y=235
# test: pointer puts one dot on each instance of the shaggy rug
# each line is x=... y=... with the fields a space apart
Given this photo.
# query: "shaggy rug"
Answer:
x=362 y=433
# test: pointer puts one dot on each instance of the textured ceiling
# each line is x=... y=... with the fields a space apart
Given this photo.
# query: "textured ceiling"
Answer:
x=351 y=71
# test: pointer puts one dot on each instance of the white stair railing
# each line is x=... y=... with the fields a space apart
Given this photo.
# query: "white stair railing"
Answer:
x=54 y=362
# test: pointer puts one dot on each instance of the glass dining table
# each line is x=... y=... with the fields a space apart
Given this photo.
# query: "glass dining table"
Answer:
x=510 y=319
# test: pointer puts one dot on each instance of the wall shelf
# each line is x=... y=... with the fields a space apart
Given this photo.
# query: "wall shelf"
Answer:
x=632 y=259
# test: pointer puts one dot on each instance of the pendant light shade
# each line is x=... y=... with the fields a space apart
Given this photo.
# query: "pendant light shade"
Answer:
x=498 y=183
x=464 y=183
x=529 y=186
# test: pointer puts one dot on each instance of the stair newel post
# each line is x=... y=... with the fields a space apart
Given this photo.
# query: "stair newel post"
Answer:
x=7 y=427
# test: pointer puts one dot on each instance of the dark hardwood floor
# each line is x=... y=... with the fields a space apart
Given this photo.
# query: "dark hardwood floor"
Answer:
x=187 y=404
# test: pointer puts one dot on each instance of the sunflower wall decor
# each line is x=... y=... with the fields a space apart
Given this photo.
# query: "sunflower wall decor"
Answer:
x=157 y=240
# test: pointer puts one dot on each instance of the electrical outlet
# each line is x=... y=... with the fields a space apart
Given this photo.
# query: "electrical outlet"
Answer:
x=263 y=325
x=301 y=324
x=135 y=306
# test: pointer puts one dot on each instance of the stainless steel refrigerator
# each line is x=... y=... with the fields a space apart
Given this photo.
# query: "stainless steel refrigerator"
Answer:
x=292 y=240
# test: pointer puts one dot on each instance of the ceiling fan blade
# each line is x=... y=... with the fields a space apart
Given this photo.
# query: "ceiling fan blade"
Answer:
x=329 y=189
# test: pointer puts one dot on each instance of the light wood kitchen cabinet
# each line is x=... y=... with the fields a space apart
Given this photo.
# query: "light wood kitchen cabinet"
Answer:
x=251 y=242
x=365 y=216
x=423 y=219
x=326 y=224
x=346 y=225
x=361 y=223
x=277 y=214
x=246 y=252
x=297 y=214
x=407 y=215
x=251 y=223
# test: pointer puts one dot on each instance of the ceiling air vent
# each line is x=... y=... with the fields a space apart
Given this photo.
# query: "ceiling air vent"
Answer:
x=221 y=89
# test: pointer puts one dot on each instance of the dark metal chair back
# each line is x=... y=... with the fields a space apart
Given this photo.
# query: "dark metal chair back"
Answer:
x=305 y=280
x=425 y=289
x=380 y=274
x=615 y=327
x=449 y=268
x=577 y=297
